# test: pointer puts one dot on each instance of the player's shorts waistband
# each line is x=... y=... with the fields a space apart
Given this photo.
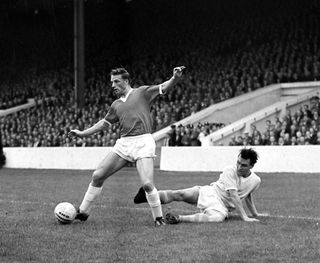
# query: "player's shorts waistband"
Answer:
x=146 y=135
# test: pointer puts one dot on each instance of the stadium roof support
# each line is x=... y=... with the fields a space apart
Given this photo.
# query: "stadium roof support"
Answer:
x=79 y=63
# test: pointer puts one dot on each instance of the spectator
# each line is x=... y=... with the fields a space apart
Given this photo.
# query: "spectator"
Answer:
x=172 y=136
x=233 y=141
x=286 y=139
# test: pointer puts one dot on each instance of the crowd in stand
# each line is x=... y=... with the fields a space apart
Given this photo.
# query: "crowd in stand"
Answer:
x=224 y=58
x=190 y=135
x=295 y=128
x=11 y=99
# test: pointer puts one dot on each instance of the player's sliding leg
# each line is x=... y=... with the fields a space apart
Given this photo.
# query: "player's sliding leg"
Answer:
x=145 y=169
x=111 y=164
x=141 y=196
x=163 y=195
x=203 y=217
x=189 y=195
x=209 y=216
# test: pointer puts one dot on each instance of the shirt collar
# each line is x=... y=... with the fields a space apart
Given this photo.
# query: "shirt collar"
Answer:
x=126 y=97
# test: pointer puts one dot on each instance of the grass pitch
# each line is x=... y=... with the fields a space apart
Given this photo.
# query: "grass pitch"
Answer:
x=119 y=231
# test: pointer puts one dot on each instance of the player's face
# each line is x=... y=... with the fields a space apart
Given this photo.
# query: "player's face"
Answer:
x=119 y=85
x=243 y=167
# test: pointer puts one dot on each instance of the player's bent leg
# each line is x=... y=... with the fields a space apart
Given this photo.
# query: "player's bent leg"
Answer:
x=141 y=196
x=215 y=216
x=188 y=195
x=106 y=168
x=208 y=216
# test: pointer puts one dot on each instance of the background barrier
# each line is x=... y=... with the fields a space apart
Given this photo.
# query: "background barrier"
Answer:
x=302 y=158
x=81 y=158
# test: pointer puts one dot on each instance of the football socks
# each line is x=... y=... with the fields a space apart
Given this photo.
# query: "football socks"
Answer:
x=91 y=194
x=154 y=203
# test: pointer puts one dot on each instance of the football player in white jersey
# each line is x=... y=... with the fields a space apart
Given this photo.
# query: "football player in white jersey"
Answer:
x=217 y=200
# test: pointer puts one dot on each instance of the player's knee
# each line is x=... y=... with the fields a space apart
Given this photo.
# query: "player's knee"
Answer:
x=97 y=178
x=216 y=217
x=147 y=187
x=178 y=195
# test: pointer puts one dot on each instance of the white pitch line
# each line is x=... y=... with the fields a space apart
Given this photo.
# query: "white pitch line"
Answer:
x=294 y=217
x=147 y=209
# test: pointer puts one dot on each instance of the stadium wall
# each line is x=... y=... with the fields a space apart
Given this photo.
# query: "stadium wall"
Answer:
x=299 y=159
x=81 y=158
x=295 y=159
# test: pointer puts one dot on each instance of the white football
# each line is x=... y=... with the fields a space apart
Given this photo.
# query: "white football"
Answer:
x=65 y=213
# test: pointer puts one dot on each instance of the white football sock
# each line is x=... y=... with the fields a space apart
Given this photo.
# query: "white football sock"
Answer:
x=201 y=217
x=154 y=203
x=91 y=194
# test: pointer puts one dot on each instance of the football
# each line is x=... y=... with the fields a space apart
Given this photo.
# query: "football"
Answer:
x=65 y=213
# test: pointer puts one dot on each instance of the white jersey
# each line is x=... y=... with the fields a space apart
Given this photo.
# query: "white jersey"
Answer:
x=229 y=180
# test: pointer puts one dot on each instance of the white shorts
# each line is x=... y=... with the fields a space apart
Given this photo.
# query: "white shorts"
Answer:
x=209 y=200
x=132 y=148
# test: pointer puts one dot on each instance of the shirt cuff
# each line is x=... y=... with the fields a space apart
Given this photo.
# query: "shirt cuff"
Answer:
x=108 y=122
x=160 y=89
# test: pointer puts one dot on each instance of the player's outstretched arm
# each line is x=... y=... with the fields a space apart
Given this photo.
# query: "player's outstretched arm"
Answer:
x=239 y=207
x=100 y=125
x=252 y=208
x=177 y=74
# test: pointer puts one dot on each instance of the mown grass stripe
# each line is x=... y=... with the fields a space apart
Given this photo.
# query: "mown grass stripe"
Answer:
x=148 y=209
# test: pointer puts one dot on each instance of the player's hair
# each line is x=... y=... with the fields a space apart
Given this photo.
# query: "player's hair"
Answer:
x=121 y=71
x=249 y=153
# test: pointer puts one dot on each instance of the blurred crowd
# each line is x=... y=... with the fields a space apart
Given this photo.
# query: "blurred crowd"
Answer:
x=225 y=57
x=294 y=128
x=190 y=135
